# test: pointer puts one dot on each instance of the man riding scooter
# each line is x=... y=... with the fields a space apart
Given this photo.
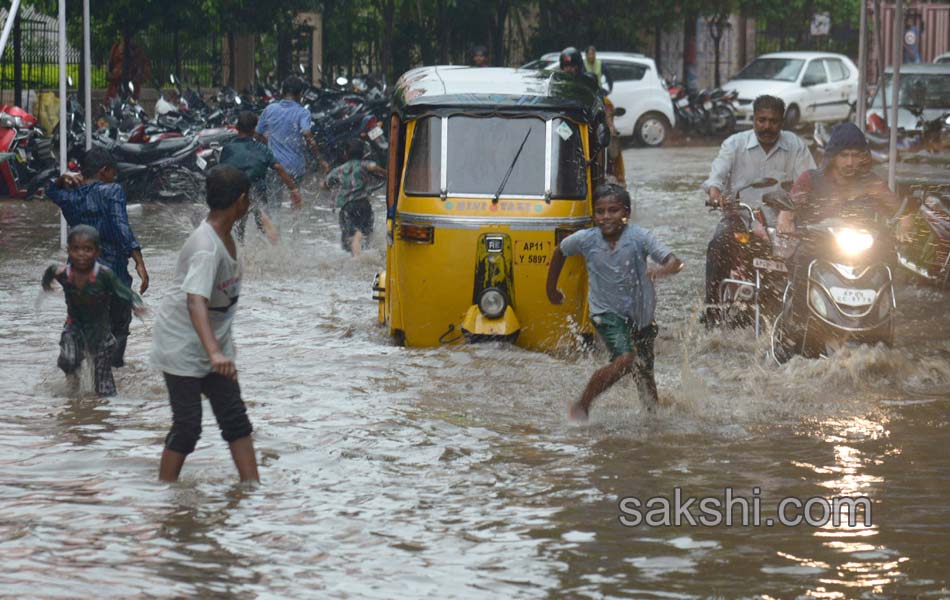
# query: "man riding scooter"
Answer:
x=843 y=187
x=744 y=157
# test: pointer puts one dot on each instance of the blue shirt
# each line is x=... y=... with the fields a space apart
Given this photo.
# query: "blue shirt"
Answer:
x=284 y=124
x=101 y=205
x=617 y=277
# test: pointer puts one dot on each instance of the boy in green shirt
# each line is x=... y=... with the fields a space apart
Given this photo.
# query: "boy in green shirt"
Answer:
x=91 y=291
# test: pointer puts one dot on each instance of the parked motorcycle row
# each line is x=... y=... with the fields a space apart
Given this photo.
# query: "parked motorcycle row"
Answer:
x=925 y=143
x=164 y=157
x=703 y=112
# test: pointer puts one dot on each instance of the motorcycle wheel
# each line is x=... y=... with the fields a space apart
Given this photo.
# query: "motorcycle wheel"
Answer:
x=178 y=184
x=722 y=121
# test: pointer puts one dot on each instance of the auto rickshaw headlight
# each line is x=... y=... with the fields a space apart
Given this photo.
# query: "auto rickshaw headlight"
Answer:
x=492 y=303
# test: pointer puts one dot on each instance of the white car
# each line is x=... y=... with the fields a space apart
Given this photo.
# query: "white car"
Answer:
x=943 y=58
x=924 y=86
x=816 y=86
x=637 y=88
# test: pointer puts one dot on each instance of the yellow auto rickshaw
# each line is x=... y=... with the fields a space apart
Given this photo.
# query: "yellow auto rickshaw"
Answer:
x=489 y=170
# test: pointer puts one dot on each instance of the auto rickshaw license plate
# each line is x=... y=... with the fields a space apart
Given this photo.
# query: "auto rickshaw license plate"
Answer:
x=533 y=252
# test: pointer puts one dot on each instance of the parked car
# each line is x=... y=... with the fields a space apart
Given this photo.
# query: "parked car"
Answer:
x=816 y=86
x=923 y=86
x=637 y=88
x=943 y=58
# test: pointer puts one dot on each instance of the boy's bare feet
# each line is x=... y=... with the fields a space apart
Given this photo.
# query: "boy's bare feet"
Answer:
x=578 y=412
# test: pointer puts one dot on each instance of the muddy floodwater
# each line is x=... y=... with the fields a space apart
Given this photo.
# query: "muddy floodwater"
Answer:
x=453 y=473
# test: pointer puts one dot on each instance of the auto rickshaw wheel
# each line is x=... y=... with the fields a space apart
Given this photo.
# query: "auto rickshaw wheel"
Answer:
x=399 y=337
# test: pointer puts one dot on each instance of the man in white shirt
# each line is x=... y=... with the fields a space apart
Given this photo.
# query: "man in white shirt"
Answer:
x=747 y=156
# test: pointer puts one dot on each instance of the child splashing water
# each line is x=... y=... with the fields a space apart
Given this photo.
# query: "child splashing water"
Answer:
x=92 y=292
x=621 y=296
x=352 y=196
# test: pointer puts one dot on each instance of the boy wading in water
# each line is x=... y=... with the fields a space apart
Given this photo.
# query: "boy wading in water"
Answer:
x=95 y=199
x=352 y=196
x=192 y=335
x=621 y=296
x=92 y=292
x=256 y=160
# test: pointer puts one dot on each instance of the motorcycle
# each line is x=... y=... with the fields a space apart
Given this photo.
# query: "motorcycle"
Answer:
x=849 y=294
x=25 y=153
x=707 y=112
x=927 y=254
x=925 y=142
x=752 y=292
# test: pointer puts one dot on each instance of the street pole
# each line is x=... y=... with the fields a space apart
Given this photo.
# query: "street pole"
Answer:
x=862 y=68
x=87 y=71
x=895 y=99
x=11 y=17
x=62 y=109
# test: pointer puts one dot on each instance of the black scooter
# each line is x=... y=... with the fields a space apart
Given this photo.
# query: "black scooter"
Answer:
x=849 y=289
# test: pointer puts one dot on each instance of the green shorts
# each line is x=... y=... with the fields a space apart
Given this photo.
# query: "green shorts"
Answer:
x=621 y=338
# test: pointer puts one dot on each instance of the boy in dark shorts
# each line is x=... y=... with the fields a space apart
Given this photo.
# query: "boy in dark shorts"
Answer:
x=256 y=160
x=95 y=199
x=192 y=342
x=92 y=291
x=620 y=296
x=352 y=196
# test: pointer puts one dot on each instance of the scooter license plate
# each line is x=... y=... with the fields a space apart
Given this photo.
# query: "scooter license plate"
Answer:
x=852 y=297
x=375 y=132
x=769 y=265
x=682 y=102
x=707 y=105
x=201 y=162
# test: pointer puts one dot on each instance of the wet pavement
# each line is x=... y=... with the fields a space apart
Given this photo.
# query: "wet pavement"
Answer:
x=453 y=473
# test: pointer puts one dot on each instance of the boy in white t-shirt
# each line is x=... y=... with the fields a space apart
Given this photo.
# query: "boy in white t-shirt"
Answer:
x=192 y=342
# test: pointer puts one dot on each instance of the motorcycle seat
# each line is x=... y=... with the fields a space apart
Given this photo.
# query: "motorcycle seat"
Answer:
x=152 y=150
x=129 y=169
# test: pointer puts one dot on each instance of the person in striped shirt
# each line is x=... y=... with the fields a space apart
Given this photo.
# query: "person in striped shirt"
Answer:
x=95 y=199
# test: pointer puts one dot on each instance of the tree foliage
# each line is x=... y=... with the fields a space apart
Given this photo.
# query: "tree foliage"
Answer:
x=391 y=36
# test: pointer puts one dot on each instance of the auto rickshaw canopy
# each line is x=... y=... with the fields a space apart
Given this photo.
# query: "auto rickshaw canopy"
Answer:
x=443 y=90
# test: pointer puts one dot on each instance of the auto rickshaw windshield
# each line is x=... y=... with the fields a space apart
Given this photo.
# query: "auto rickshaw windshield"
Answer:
x=481 y=150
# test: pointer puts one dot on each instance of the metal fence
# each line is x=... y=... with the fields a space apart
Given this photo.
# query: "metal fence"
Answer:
x=197 y=61
x=779 y=36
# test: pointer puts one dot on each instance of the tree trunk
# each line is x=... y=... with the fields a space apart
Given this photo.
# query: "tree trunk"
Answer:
x=689 y=51
x=498 y=19
x=386 y=51
x=658 y=47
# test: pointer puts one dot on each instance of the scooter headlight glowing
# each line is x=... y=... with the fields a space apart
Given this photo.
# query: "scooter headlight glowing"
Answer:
x=492 y=303
x=853 y=241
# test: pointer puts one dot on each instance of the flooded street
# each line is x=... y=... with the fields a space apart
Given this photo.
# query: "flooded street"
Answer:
x=453 y=473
